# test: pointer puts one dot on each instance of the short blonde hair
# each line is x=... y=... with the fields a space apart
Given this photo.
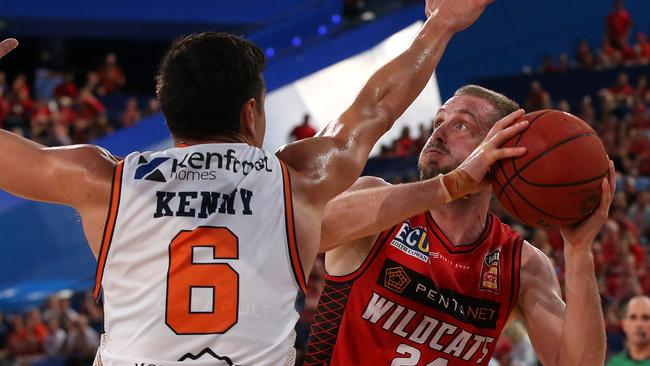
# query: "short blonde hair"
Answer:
x=503 y=105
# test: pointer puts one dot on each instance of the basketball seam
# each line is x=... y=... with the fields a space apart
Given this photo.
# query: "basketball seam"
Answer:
x=546 y=152
x=542 y=211
x=529 y=163
x=505 y=176
x=503 y=192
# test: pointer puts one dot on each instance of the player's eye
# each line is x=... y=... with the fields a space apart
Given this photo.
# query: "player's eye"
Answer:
x=437 y=123
x=461 y=126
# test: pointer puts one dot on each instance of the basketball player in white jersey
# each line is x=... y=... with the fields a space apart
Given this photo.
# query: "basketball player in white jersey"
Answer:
x=203 y=248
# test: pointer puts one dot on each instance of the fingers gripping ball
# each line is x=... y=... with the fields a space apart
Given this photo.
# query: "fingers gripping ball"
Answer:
x=558 y=182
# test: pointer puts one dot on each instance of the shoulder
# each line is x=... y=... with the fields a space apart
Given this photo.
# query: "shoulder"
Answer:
x=93 y=161
x=536 y=267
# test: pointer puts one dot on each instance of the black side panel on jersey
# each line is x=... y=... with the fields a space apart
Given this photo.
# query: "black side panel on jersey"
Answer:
x=325 y=328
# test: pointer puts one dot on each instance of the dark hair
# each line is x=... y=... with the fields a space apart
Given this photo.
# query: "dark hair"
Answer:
x=205 y=79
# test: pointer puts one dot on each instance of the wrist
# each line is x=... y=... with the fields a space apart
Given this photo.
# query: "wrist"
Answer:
x=578 y=253
x=438 y=26
x=457 y=184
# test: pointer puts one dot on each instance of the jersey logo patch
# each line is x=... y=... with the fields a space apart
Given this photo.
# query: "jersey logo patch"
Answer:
x=490 y=272
x=409 y=284
x=225 y=361
x=412 y=241
x=396 y=279
x=148 y=171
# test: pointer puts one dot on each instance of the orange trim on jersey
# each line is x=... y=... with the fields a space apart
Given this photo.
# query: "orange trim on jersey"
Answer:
x=109 y=227
x=376 y=246
x=182 y=144
x=294 y=256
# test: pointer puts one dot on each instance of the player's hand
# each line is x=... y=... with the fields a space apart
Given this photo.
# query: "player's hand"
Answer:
x=582 y=235
x=456 y=14
x=471 y=176
x=7 y=46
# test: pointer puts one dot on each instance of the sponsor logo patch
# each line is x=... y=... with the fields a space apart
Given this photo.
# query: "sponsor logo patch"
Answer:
x=412 y=241
x=147 y=170
x=410 y=284
x=396 y=279
x=490 y=272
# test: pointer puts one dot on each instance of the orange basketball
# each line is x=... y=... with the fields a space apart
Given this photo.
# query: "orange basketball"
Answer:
x=558 y=181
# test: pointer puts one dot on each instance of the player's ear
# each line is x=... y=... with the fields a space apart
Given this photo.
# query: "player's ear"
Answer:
x=247 y=120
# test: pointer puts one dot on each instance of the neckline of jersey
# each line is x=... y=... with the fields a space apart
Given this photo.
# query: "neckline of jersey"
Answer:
x=462 y=248
x=183 y=145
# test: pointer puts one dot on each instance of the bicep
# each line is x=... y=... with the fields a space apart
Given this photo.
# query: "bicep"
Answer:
x=541 y=305
x=332 y=160
x=64 y=175
x=343 y=218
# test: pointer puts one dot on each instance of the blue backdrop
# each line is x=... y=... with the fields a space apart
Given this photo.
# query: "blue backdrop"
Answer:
x=42 y=245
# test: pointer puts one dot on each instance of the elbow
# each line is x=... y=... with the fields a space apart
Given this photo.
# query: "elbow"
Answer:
x=385 y=116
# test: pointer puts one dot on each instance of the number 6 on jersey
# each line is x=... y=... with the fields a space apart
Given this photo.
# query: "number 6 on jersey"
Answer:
x=189 y=279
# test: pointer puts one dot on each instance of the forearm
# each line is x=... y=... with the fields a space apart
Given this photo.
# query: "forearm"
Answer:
x=583 y=334
x=394 y=86
x=354 y=215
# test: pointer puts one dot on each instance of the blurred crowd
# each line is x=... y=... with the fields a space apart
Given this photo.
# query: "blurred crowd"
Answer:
x=619 y=47
x=65 y=331
x=52 y=108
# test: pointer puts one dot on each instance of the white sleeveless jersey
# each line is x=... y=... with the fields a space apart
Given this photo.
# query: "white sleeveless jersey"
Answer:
x=199 y=263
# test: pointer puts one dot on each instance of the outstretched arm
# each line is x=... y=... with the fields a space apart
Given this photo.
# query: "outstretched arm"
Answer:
x=571 y=334
x=335 y=157
x=77 y=176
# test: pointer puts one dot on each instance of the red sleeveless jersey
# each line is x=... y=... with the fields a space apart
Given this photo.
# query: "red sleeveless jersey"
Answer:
x=418 y=300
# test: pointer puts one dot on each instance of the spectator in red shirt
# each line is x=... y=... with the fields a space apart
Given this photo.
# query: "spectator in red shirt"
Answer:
x=35 y=325
x=131 y=114
x=111 y=76
x=538 y=98
x=587 y=111
x=20 y=92
x=303 y=130
x=548 y=65
x=584 y=56
x=622 y=86
x=22 y=341
x=641 y=92
x=3 y=83
x=404 y=144
x=619 y=23
x=563 y=64
x=67 y=88
x=89 y=105
x=609 y=56
x=642 y=48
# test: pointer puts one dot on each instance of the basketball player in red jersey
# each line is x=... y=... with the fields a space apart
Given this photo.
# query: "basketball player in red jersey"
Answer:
x=212 y=94
x=414 y=282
